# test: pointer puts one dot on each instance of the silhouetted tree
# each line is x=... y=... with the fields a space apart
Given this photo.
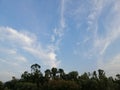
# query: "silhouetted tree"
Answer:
x=1 y=85
x=26 y=76
x=61 y=71
x=36 y=74
x=61 y=81
x=54 y=72
x=73 y=75
x=48 y=73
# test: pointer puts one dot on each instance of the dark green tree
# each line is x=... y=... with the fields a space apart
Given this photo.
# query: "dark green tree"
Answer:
x=1 y=85
x=62 y=73
x=101 y=74
x=36 y=74
x=94 y=75
x=54 y=72
x=26 y=76
x=73 y=75
x=48 y=73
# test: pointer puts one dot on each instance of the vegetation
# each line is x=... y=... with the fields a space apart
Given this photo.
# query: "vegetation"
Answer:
x=57 y=79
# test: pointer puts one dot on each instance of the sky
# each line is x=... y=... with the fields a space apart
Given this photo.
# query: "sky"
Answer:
x=80 y=35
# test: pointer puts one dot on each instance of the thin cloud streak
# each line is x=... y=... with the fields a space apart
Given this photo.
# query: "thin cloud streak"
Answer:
x=99 y=43
x=112 y=66
x=102 y=43
x=62 y=21
x=59 y=31
x=27 y=43
x=113 y=31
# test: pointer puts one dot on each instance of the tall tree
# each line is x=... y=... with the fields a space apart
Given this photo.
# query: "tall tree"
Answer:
x=1 y=85
x=61 y=71
x=36 y=73
x=26 y=76
x=47 y=73
x=94 y=75
x=73 y=75
x=54 y=72
x=35 y=68
x=101 y=74
x=118 y=76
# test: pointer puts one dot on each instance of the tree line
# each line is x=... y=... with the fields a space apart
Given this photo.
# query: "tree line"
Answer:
x=57 y=79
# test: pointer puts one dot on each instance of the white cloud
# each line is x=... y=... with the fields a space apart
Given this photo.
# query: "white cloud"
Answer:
x=86 y=39
x=62 y=21
x=11 y=56
x=103 y=19
x=28 y=42
x=112 y=66
x=52 y=56
x=103 y=43
x=5 y=76
x=111 y=33
x=112 y=29
x=8 y=51
x=97 y=7
x=59 y=31
x=45 y=56
x=13 y=35
x=111 y=23
x=17 y=46
x=52 y=38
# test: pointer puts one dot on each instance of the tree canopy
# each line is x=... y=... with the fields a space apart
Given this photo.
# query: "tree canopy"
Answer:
x=57 y=79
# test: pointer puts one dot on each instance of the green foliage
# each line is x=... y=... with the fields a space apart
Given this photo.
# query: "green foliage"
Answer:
x=25 y=86
x=54 y=72
x=1 y=85
x=56 y=79
x=36 y=74
x=62 y=85
x=73 y=75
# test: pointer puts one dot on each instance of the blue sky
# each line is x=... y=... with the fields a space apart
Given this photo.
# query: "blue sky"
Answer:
x=82 y=35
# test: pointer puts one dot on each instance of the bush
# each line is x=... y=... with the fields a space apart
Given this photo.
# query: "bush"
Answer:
x=61 y=85
x=25 y=86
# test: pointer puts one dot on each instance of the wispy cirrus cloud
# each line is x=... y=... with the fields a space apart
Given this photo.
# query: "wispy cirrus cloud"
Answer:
x=98 y=25
x=15 y=47
x=59 y=31
x=112 y=36
x=94 y=18
x=48 y=57
x=112 y=67
x=111 y=27
x=28 y=43
x=111 y=31
x=13 y=36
